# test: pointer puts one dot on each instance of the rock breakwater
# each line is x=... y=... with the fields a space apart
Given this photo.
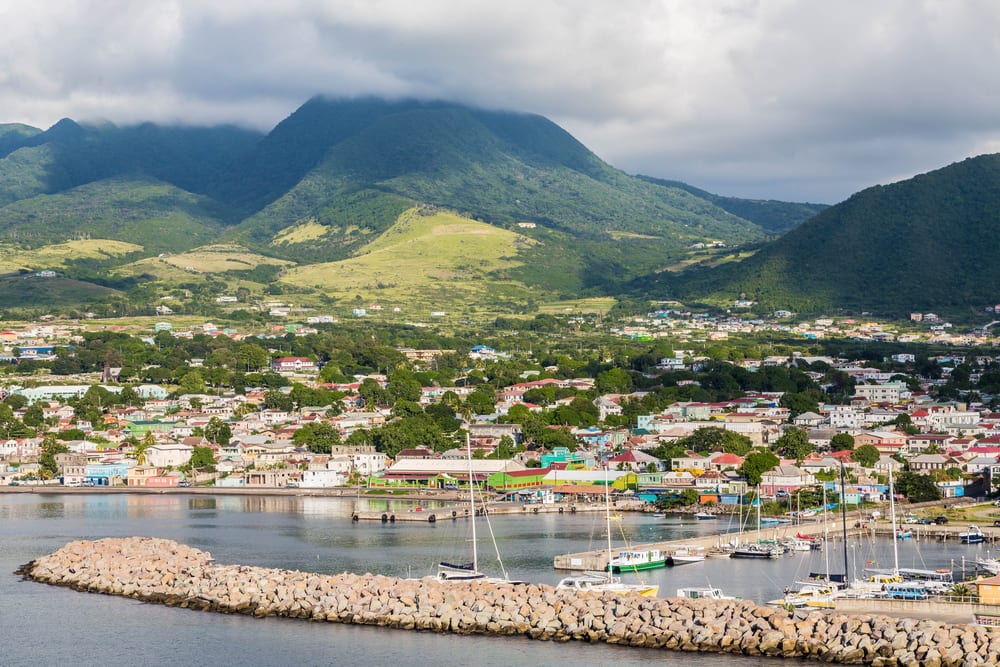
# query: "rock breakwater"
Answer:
x=163 y=571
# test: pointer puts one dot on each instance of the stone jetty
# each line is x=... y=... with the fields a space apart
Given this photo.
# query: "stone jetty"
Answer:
x=162 y=571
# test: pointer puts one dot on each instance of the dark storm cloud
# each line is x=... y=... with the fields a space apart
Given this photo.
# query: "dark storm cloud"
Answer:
x=793 y=100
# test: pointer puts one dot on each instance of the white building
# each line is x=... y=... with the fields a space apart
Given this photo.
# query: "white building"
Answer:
x=170 y=454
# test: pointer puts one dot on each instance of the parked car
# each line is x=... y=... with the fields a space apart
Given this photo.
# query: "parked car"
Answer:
x=183 y=482
x=292 y=485
x=996 y=522
x=925 y=521
x=941 y=520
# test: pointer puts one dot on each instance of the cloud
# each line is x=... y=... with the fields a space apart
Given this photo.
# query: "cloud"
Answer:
x=792 y=100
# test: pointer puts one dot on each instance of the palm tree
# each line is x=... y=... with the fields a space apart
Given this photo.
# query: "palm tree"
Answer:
x=142 y=447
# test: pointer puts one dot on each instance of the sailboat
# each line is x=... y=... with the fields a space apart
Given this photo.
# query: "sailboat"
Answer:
x=470 y=571
x=759 y=549
x=819 y=590
x=605 y=582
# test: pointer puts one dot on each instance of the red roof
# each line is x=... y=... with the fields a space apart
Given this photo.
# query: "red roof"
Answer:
x=727 y=458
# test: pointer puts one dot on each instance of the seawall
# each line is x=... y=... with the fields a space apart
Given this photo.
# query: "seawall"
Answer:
x=163 y=571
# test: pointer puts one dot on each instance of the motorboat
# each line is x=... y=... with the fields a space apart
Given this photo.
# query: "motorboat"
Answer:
x=702 y=593
x=686 y=554
x=973 y=535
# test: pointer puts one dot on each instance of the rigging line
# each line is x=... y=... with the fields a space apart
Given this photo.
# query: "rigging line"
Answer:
x=489 y=526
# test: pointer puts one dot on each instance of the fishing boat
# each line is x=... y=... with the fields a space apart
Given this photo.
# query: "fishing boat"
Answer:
x=634 y=559
x=703 y=593
x=704 y=516
x=973 y=535
x=605 y=582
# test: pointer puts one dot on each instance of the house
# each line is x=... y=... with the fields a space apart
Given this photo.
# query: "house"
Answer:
x=634 y=460
x=925 y=463
x=808 y=420
x=169 y=454
x=784 y=478
x=293 y=365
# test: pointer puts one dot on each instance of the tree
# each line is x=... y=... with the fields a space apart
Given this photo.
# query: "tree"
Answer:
x=191 y=383
x=713 y=439
x=613 y=381
x=141 y=447
x=33 y=416
x=866 y=455
x=203 y=458
x=842 y=442
x=318 y=438
x=482 y=401
x=218 y=432
x=917 y=488
x=794 y=444
x=47 y=461
x=756 y=464
x=277 y=400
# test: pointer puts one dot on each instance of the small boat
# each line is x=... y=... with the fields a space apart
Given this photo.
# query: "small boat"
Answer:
x=685 y=554
x=974 y=535
x=703 y=593
x=904 y=534
x=704 y=516
x=724 y=551
x=793 y=544
x=809 y=595
x=991 y=565
x=602 y=583
x=638 y=560
x=658 y=515
x=756 y=551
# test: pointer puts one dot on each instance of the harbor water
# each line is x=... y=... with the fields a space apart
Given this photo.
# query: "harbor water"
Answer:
x=46 y=625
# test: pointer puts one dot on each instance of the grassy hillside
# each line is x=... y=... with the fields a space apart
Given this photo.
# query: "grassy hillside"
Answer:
x=158 y=216
x=428 y=260
x=928 y=243
x=13 y=136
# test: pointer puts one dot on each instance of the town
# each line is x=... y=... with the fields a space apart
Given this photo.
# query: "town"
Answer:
x=106 y=408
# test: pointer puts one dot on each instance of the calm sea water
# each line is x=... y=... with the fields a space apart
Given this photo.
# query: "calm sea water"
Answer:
x=44 y=625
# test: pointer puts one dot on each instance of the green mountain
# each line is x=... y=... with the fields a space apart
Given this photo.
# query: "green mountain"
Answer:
x=927 y=243
x=501 y=168
x=337 y=174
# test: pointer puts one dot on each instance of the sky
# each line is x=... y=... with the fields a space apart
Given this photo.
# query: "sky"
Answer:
x=783 y=99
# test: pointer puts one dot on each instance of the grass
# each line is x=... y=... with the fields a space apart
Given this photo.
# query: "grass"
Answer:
x=427 y=261
x=593 y=305
x=219 y=259
x=307 y=231
x=14 y=258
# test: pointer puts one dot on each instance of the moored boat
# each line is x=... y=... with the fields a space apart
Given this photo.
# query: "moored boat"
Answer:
x=704 y=516
x=686 y=554
x=703 y=593
x=635 y=559
x=973 y=535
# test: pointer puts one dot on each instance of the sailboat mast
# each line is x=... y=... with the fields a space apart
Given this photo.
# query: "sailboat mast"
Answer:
x=607 y=515
x=892 y=516
x=472 y=503
x=843 y=516
x=826 y=534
